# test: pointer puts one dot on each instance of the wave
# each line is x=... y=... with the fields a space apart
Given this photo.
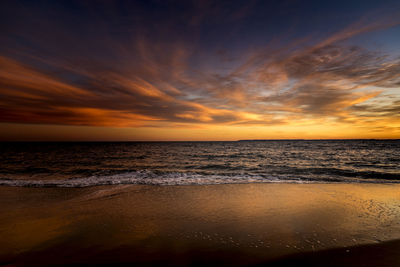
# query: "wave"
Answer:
x=175 y=178
x=350 y=173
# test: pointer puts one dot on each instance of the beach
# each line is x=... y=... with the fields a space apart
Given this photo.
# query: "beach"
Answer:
x=318 y=224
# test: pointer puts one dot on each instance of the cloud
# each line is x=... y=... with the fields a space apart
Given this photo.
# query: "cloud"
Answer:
x=389 y=109
x=146 y=80
x=107 y=99
x=327 y=81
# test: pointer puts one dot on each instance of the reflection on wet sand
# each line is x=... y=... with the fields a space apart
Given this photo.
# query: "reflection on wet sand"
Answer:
x=249 y=222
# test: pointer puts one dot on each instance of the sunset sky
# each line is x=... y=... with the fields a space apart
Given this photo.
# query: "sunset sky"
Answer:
x=199 y=70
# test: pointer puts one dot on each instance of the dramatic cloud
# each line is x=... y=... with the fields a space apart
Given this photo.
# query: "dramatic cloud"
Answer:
x=162 y=69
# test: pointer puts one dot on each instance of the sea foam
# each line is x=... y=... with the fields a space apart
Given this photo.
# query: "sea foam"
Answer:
x=170 y=178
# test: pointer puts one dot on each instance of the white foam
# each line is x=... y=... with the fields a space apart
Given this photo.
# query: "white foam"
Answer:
x=171 y=178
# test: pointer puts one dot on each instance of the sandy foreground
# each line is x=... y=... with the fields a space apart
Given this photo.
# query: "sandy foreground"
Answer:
x=235 y=225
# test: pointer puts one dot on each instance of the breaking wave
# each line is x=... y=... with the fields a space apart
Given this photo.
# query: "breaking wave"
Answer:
x=175 y=178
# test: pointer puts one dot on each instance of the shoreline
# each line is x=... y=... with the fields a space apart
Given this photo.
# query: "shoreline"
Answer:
x=235 y=224
x=58 y=183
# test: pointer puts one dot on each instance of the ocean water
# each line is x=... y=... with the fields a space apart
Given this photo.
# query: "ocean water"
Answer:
x=84 y=164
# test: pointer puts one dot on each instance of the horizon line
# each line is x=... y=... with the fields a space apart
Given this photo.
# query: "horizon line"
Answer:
x=165 y=141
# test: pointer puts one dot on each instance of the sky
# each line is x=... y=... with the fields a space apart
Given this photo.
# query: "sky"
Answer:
x=199 y=70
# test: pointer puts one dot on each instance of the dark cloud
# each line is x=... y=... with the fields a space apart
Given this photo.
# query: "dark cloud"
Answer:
x=353 y=64
x=387 y=109
x=184 y=64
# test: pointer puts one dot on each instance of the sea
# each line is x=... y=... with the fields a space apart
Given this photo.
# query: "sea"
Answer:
x=84 y=164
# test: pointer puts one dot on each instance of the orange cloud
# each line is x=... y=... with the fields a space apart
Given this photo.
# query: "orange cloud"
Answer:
x=327 y=83
x=18 y=77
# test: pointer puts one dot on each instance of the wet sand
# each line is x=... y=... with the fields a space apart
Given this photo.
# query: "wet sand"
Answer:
x=243 y=224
